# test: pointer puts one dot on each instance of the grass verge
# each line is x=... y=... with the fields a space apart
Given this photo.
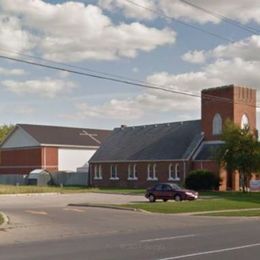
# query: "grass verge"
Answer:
x=10 y=189
x=1 y=219
x=244 y=213
x=217 y=201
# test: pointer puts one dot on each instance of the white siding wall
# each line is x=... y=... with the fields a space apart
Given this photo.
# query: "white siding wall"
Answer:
x=71 y=159
x=20 y=138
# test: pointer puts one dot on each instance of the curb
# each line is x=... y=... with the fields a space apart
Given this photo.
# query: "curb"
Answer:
x=29 y=194
x=105 y=206
x=6 y=219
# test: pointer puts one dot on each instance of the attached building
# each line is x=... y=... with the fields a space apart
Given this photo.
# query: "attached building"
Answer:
x=52 y=148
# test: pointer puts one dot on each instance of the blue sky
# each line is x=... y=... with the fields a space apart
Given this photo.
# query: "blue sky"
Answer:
x=118 y=37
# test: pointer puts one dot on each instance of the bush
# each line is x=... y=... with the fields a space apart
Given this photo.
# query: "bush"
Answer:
x=202 y=180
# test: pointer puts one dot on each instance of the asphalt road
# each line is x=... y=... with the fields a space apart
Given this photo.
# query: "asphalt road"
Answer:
x=43 y=227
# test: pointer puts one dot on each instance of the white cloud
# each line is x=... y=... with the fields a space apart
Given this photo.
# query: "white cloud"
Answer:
x=24 y=110
x=247 y=49
x=11 y=72
x=221 y=72
x=13 y=37
x=129 y=9
x=46 y=88
x=72 y=31
x=243 y=11
x=114 y=109
x=194 y=57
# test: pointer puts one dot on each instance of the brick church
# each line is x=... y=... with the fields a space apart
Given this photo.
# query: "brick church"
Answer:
x=139 y=156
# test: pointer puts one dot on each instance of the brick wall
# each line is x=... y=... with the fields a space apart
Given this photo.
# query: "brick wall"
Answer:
x=162 y=173
x=24 y=160
x=230 y=102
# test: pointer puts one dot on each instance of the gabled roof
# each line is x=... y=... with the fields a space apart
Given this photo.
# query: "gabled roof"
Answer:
x=208 y=151
x=170 y=141
x=63 y=136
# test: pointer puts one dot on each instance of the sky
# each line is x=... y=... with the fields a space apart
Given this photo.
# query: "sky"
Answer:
x=166 y=43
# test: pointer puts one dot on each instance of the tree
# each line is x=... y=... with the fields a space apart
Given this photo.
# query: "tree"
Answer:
x=240 y=152
x=4 y=131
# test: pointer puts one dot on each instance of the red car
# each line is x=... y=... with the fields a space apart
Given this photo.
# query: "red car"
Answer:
x=169 y=191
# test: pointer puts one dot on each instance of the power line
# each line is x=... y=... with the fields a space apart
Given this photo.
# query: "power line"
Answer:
x=222 y=17
x=69 y=65
x=127 y=82
x=161 y=14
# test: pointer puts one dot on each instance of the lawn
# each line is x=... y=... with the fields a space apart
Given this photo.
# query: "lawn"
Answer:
x=209 y=202
x=1 y=219
x=241 y=213
x=10 y=189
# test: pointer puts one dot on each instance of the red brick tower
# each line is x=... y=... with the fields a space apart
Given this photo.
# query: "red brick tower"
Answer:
x=229 y=102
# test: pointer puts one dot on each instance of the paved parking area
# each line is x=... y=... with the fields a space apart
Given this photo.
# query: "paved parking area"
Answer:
x=55 y=231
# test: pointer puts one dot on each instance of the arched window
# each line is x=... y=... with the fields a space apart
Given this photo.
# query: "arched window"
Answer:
x=171 y=171
x=244 y=121
x=177 y=172
x=132 y=172
x=217 y=125
x=98 y=172
x=151 y=172
x=113 y=172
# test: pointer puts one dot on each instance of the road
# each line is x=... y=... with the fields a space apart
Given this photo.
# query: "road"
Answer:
x=44 y=227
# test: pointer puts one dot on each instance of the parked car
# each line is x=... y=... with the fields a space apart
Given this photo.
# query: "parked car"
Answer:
x=169 y=191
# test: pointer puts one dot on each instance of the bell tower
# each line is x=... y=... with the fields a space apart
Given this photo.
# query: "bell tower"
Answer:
x=235 y=103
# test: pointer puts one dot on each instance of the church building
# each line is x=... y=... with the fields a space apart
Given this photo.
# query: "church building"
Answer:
x=139 y=156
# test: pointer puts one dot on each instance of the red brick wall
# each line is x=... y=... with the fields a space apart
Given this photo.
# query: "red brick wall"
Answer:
x=230 y=102
x=210 y=105
x=162 y=173
x=50 y=158
x=24 y=160
x=245 y=102
x=20 y=161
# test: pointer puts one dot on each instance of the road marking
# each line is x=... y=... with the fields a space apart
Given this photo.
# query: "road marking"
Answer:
x=76 y=210
x=36 y=212
x=211 y=252
x=166 y=238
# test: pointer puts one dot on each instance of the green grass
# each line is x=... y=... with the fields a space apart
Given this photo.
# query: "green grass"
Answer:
x=214 y=201
x=244 y=213
x=1 y=219
x=10 y=189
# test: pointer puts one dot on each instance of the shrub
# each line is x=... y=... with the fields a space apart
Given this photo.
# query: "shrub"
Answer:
x=202 y=180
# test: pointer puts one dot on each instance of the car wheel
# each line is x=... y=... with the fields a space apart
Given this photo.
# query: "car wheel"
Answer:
x=151 y=198
x=165 y=200
x=177 y=198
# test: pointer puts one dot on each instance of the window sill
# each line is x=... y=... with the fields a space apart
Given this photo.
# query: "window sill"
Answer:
x=174 y=179
x=152 y=179
x=98 y=179
x=132 y=179
x=114 y=179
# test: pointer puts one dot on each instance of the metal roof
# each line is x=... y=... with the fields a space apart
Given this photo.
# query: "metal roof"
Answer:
x=169 y=141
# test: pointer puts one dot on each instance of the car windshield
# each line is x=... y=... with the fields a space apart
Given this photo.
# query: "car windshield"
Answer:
x=175 y=186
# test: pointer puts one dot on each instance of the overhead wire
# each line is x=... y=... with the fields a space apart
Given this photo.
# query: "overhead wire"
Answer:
x=168 y=17
x=222 y=17
x=127 y=82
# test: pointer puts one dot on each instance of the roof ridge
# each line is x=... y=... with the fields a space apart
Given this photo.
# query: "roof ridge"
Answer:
x=56 y=126
x=159 y=124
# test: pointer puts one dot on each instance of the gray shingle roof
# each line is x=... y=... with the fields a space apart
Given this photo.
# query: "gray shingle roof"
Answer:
x=152 y=142
x=208 y=151
x=57 y=135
